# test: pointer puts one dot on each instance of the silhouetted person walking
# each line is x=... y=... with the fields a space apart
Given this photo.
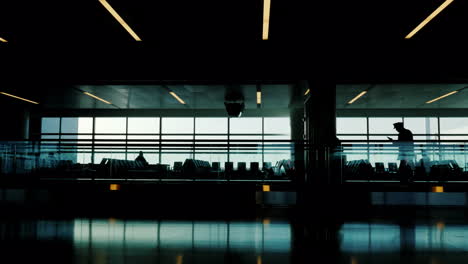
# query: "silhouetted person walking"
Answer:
x=405 y=151
x=141 y=159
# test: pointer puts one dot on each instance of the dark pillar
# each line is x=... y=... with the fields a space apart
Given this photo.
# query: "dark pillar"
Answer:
x=296 y=114
x=15 y=124
x=320 y=132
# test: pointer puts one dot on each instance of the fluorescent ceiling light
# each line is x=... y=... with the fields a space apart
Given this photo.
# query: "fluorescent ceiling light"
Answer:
x=96 y=97
x=177 y=97
x=307 y=92
x=266 y=18
x=20 y=98
x=429 y=18
x=440 y=97
x=259 y=97
x=3 y=40
x=119 y=19
x=357 y=97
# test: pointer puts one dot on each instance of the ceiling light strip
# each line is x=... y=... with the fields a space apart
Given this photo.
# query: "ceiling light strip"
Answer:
x=96 y=97
x=177 y=97
x=266 y=18
x=3 y=40
x=119 y=19
x=259 y=97
x=357 y=97
x=429 y=18
x=20 y=98
x=440 y=97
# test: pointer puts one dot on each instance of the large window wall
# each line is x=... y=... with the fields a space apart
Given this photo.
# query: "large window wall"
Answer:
x=444 y=137
x=169 y=139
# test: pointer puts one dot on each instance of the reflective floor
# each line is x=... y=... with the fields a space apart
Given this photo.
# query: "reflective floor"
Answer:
x=433 y=238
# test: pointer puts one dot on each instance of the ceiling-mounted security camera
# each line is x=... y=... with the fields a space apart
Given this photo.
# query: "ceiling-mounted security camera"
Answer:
x=234 y=102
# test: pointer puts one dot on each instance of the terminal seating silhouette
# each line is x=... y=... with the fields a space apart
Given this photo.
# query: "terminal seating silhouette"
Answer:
x=193 y=168
x=359 y=169
x=255 y=170
x=228 y=169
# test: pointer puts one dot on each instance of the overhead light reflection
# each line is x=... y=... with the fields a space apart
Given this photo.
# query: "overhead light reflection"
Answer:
x=307 y=92
x=20 y=98
x=357 y=97
x=96 y=97
x=3 y=40
x=120 y=19
x=429 y=18
x=266 y=18
x=440 y=97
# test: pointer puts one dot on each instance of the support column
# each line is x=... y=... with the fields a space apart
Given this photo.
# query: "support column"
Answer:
x=15 y=124
x=320 y=132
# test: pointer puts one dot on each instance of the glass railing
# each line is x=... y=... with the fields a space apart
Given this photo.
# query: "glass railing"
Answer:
x=164 y=160
x=418 y=161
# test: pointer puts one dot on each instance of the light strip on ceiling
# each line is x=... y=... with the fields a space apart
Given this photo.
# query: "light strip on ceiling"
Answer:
x=119 y=19
x=259 y=97
x=266 y=18
x=357 y=97
x=429 y=18
x=307 y=92
x=177 y=97
x=96 y=97
x=20 y=98
x=440 y=97
x=3 y=40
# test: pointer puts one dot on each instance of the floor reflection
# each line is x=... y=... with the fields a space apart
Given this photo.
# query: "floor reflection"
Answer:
x=433 y=243
x=130 y=241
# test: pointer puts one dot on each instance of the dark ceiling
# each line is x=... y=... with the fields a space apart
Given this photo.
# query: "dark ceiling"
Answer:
x=342 y=41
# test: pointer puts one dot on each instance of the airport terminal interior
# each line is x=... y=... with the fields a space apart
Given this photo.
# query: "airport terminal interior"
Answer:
x=136 y=132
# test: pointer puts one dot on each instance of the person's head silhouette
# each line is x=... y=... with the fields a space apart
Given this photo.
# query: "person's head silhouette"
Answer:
x=398 y=126
x=141 y=153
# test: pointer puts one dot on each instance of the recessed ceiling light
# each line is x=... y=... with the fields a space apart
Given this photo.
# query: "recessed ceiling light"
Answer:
x=266 y=18
x=119 y=19
x=20 y=98
x=3 y=40
x=429 y=18
x=96 y=97
x=177 y=97
x=357 y=97
x=440 y=97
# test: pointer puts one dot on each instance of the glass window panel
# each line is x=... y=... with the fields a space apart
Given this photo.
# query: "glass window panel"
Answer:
x=277 y=125
x=421 y=125
x=383 y=125
x=143 y=125
x=245 y=125
x=50 y=125
x=454 y=125
x=211 y=125
x=49 y=147
x=351 y=125
x=177 y=125
x=111 y=125
x=170 y=157
x=245 y=151
x=151 y=156
x=276 y=151
x=352 y=137
x=77 y=124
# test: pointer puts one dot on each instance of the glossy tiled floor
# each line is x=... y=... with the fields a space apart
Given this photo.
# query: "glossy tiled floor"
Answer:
x=433 y=238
